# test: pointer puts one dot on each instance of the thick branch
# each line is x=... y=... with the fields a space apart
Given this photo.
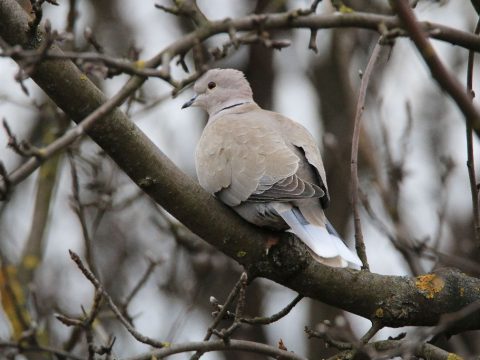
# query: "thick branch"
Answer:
x=393 y=300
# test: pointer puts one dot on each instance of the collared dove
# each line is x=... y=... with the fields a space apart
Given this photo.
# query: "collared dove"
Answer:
x=264 y=165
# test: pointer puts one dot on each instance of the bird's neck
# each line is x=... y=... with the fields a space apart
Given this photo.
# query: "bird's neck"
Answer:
x=230 y=105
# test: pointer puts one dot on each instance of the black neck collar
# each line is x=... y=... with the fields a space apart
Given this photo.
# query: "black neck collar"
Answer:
x=231 y=106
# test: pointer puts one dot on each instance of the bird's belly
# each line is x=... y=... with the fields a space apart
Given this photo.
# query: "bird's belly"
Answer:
x=261 y=214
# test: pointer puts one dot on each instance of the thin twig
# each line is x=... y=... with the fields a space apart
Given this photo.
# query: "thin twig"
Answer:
x=225 y=334
x=312 y=43
x=90 y=37
x=4 y=182
x=180 y=47
x=119 y=64
x=376 y=327
x=446 y=81
x=221 y=314
x=470 y=155
x=224 y=308
x=149 y=271
x=430 y=253
x=220 y=345
x=91 y=277
x=22 y=148
x=324 y=334
x=359 y=243
x=388 y=349
x=275 y=317
x=86 y=325
x=79 y=210
x=25 y=349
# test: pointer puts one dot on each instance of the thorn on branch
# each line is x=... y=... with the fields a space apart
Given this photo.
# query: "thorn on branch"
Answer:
x=20 y=76
x=281 y=345
x=177 y=10
x=323 y=333
x=106 y=349
x=37 y=15
x=91 y=39
x=312 y=44
x=313 y=7
x=68 y=321
x=304 y=12
x=182 y=63
x=5 y=184
x=171 y=10
x=188 y=9
x=398 y=337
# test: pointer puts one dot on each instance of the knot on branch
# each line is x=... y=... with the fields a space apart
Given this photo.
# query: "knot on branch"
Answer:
x=284 y=260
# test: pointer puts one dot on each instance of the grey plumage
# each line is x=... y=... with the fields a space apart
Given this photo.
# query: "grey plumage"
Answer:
x=264 y=165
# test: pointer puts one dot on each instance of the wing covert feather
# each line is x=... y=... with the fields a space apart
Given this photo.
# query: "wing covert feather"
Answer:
x=236 y=151
x=254 y=156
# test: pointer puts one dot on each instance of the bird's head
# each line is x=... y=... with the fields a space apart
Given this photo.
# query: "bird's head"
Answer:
x=218 y=89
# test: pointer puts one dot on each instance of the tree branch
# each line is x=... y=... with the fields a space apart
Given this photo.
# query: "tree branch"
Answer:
x=392 y=300
x=13 y=31
x=359 y=243
x=446 y=81
x=470 y=153
x=220 y=345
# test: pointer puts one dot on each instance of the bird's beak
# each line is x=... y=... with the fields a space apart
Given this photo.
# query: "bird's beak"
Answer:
x=189 y=102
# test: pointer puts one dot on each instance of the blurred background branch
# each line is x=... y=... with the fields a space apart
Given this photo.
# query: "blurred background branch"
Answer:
x=168 y=297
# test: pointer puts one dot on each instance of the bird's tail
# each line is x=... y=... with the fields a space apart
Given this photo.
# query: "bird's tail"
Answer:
x=327 y=247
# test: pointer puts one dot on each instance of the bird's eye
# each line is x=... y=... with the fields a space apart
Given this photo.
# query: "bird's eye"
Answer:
x=211 y=85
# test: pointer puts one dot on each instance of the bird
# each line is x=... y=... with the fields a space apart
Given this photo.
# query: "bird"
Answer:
x=263 y=165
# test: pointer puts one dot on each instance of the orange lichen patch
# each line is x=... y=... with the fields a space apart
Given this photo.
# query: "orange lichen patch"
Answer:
x=140 y=64
x=462 y=291
x=429 y=285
